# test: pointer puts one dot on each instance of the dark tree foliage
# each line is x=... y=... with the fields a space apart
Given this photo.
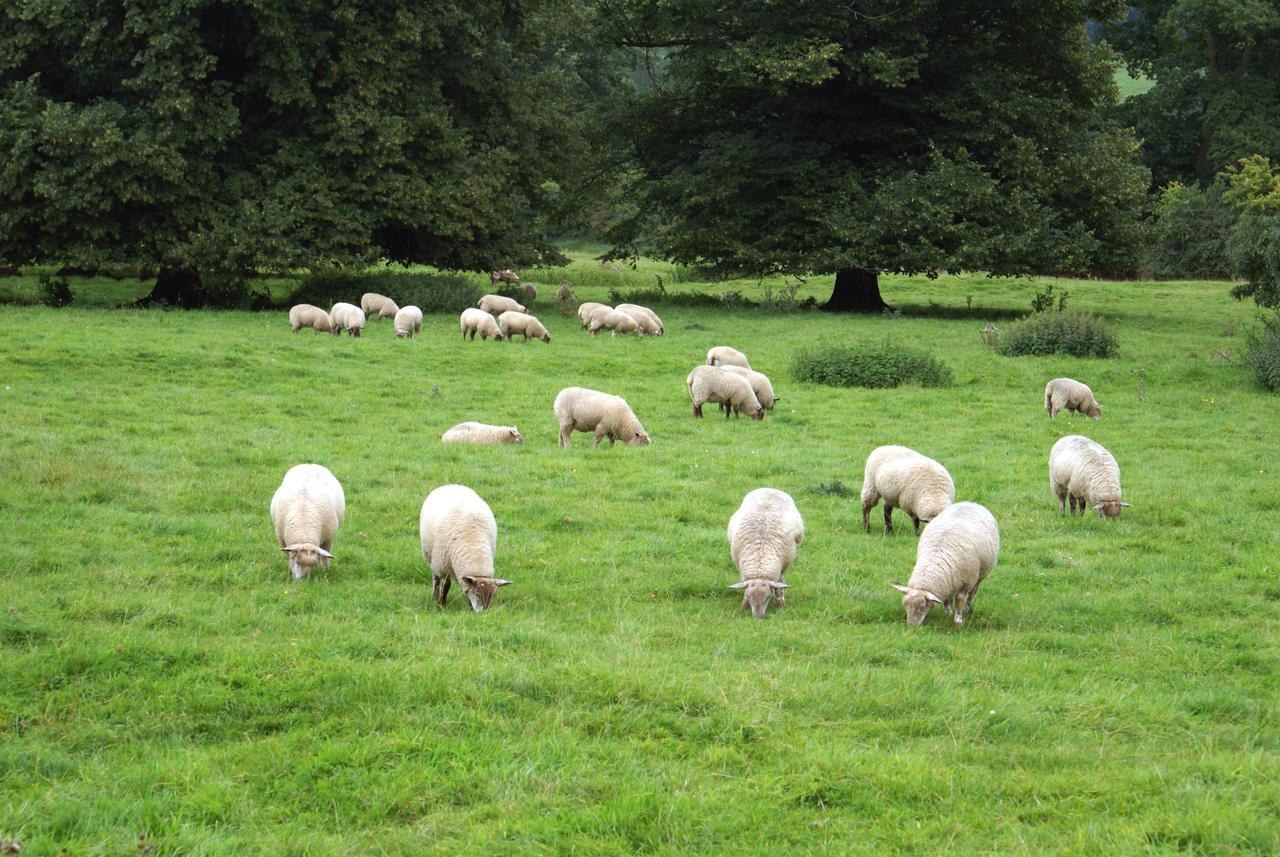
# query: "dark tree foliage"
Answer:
x=824 y=136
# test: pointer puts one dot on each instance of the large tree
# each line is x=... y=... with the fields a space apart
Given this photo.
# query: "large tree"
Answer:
x=822 y=136
x=235 y=136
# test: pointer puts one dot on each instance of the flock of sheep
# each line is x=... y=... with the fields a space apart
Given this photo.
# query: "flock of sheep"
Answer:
x=959 y=546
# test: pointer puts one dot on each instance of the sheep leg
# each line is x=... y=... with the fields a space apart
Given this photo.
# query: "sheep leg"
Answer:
x=1062 y=504
x=888 y=518
x=440 y=588
x=868 y=503
x=697 y=411
x=916 y=522
x=565 y=433
x=599 y=437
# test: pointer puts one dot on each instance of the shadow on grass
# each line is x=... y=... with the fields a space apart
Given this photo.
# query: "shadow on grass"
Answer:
x=978 y=313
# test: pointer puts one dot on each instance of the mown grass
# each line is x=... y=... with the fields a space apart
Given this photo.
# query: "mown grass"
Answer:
x=164 y=684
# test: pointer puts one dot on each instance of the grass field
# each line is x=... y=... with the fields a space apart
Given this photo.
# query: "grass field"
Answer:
x=166 y=690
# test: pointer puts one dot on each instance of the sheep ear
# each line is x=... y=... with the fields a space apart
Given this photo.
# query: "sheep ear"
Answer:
x=1126 y=504
x=290 y=548
x=900 y=587
x=467 y=580
x=776 y=585
x=931 y=597
x=498 y=581
x=324 y=553
x=741 y=584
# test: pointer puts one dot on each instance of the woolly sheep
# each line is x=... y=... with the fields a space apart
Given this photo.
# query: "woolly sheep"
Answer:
x=306 y=511
x=473 y=432
x=763 y=536
x=1070 y=395
x=408 y=321
x=512 y=323
x=614 y=320
x=956 y=552
x=1086 y=472
x=633 y=309
x=579 y=409
x=497 y=304
x=723 y=355
x=375 y=305
x=530 y=291
x=713 y=384
x=507 y=276
x=459 y=538
x=347 y=317
x=760 y=385
x=906 y=480
x=643 y=320
x=306 y=315
x=475 y=321
x=586 y=309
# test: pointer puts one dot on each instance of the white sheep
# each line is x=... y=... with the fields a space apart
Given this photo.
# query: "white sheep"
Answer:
x=579 y=409
x=512 y=323
x=408 y=321
x=953 y=557
x=306 y=315
x=763 y=536
x=459 y=539
x=374 y=305
x=587 y=308
x=1070 y=395
x=633 y=309
x=760 y=385
x=648 y=326
x=713 y=384
x=906 y=480
x=306 y=511
x=348 y=317
x=723 y=355
x=614 y=320
x=475 y=321
x=497 y=304
x=473 y=432
x=1086 y=472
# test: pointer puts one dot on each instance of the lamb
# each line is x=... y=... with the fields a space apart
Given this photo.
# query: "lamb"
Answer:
x=907 y=480
x=408 y=321
x=634 y=309
x=306 y=315
x=723 y=355
x=375 y=305
x=579 y=409
x=586 y=309
x=306 y=511
x=511 y=323
x=1083 y=470
x=642 y=318
x=507 y=276
x=347 y=317
x=953 y=557
x=763 y=536
x=459 y=538
x=1067 y=394
x=497 y=304
x=713 y=384
x=760 y=385
x=530 y=291
x=475 y=321
x=614 y=320
x=473 y=432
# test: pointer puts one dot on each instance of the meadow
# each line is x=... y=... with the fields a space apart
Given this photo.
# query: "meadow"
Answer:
x=167 y=690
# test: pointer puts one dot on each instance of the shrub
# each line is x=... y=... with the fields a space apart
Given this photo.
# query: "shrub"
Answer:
x=441 y=293
x=1076 y=333
x=886 y=365
x=1191 y=233
x=1043 y=301
x=55 y=291
x=1263 y=355
x=646 y=297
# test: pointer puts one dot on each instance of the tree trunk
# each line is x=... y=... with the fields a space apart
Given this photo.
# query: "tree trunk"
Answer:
x=856 y=290
x=179 y=287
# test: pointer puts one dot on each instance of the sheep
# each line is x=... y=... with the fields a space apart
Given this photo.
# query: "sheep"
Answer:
x=953 y=557
x=459 y=538
x=723 y=355
x=475 y=321
x=614 y=320
x=907 y=480
x=586 y=309
x=347 y=317
x=1067 y=394
x=507 y=276
x=473 y=432
x=512 y=323
x=713 y=384
x=530 y=291
x=763 y=536
x=636 y=311
x=1086 y=472
x=760 y=385
x=306 y=315
x=408 y=321
x=375 y=305
x=306 y=512
x=497 y=304
x=579 y=409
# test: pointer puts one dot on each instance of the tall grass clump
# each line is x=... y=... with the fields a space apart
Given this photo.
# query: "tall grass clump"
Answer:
x=884 y=365
x=1076 y=333
x=1262 y=357
x=431 y=293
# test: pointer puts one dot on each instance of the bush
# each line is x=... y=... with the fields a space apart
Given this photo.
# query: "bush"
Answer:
x=1192 y=230
x=1076 y=333
x=55 y=291
x=646 y=297
x=886 y=365
x=1262 y=357
x=440 y=293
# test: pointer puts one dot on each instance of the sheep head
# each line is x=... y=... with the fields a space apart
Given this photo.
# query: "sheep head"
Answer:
x=304 y=557
x=638 y=437
x=757 y=593
x=917 y=603
x=480 y=590
x=1110 y=508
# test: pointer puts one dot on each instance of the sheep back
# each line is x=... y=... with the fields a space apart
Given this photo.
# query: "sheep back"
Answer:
x=906 y=480
x=408 y=321
x=580 y=409
x=723 y=355
x=713 y=384
x=473 y=432
x=1084 y=469
x=764 y=534
x=1070 y=395
x=497 y=304
x=760 y=384
x=375 y=305
x=512 y=322
x=306 y=315
x=956 y=551
x=308 y=507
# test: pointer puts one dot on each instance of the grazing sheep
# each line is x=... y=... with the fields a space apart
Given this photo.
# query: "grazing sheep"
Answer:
x=579 y=409
x=759 y=385
x=1066 y=394
x=530 y=291
x=375 y=305
x=637 y=312
x=306 y=315
x=475 y=321
x=723 y=355
x=473 y=432
x=907 y=480
x=497 y=304
x=953 y=557
x=347 y=317
x=614 y=320
x=306 y=511
x=512 y=323
x=459 y=538
x=507 y=276
x=408 y=321
x=713 y=384
x=763 y=536
x=1083 y=470
x=586 y=309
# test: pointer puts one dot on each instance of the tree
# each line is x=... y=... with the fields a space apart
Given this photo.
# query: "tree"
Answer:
x=200 y=136
x=911 y=136
x=1253 y=188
